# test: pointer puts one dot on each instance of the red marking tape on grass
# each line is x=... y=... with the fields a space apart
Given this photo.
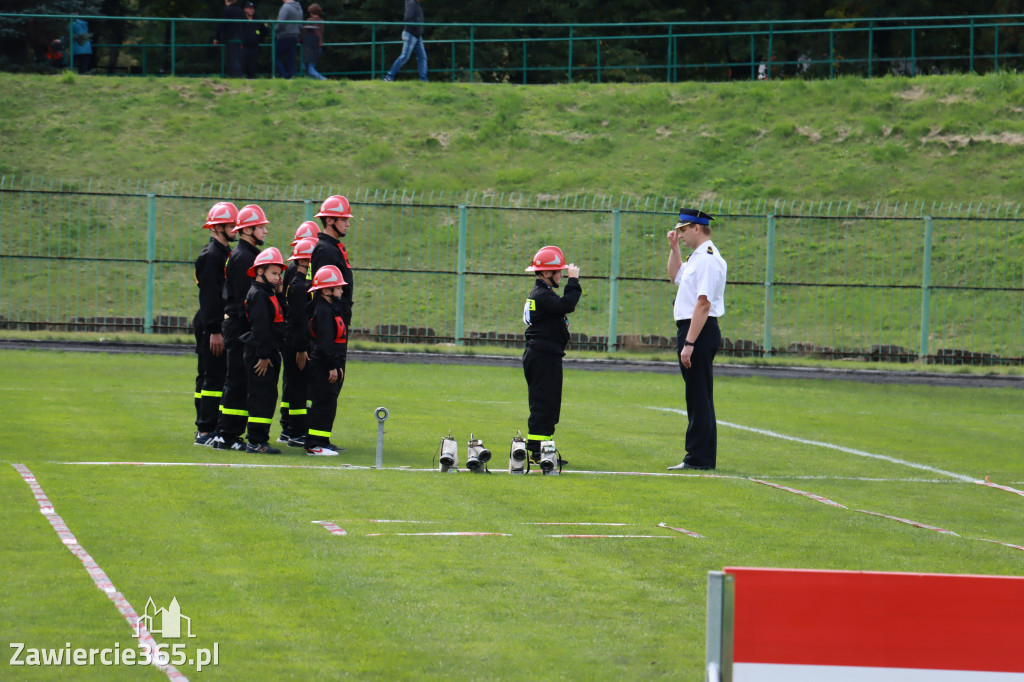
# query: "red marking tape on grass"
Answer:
x=915 y=524
x=99 y=577
x=999 y=542
x=659 y=537
x=375 y=535
x=691 y=533
x=816 y=498
x=1008 y=489
x=331 y=527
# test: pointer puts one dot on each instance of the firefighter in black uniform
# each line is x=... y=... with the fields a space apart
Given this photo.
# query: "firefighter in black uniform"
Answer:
x=208 y=319
x=263 y=344
x=295 y=385
x=327 y=359
x=335 y=214
x=251 y=228
x=547 y=334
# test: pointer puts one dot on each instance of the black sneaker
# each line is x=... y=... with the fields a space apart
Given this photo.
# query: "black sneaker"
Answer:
x=205 y=439
x=261 y=449
x=220 y=444
x=297 y=441
x=336 y=448
x=286 y=438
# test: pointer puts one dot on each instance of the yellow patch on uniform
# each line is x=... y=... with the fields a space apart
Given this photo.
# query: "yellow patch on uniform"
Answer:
x=687 y=259
x=710 y=250
x=533 y=303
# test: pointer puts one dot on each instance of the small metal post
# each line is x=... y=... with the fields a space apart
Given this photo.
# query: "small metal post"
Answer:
x=308 y=208
x=926 y=290
x=460 y=297
x=381 y=413
x=613 y=284
x=769 y=276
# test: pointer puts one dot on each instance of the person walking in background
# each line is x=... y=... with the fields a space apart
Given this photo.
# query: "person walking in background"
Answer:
x=253 y=32
x=699 y=302
x=313 y=41
x=412 y=40
x=287 y=37
x=229 y=34
x=81 y=46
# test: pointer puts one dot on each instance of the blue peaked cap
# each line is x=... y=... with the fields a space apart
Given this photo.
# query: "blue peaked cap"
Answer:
x=693 y=215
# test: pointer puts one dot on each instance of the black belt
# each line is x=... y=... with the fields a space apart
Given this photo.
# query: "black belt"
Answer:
x=680 y=323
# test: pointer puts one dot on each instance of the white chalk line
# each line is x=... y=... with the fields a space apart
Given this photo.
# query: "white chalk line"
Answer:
x=98 y=575
x=832 y=446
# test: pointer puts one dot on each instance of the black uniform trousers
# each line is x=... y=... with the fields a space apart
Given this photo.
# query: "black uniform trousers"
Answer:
x=294 y=394
x=702 y=429
x=250 y=60
x=209 y=381
x=543 y=372
x=323 y=404
x=233 y=59
x=261 y=400
x=233 y=413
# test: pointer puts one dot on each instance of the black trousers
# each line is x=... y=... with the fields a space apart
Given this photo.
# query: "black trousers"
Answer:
x=233 y=59
x=543 y=373
x=250 y=60
x=209 y=382
x=233 y=414
x=323 y=404
x=702 y=428
x=261 y=399
x=294 y=394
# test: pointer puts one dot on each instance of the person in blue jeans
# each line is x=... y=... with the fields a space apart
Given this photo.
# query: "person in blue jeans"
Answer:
x=287 y=38
x=412 y=40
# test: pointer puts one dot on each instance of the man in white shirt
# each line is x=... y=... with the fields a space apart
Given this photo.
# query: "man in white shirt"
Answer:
x=699 y=303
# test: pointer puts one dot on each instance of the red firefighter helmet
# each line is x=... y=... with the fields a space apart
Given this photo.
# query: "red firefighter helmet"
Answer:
x=222 y=213
x=548 y=258
x=326 y=277
x=336 y=206
x=269 y=256
x=250 y=216
x=303 y=249
x=307 y=230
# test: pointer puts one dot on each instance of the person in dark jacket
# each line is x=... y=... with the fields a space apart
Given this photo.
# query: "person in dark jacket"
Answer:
x=207 y=322
x=287 y=37
x=230 y=34
x=251 y=228
x=329 y=347
x=295 y=385
x=412 y=41
x=263 y=348
x=547 y=334
x=335 y=214
x=253 y=33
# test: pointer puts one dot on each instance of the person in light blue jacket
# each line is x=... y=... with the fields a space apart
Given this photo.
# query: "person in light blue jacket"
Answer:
x=81 y=45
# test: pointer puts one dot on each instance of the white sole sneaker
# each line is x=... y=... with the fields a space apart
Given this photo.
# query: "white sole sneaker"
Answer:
x=321 y=452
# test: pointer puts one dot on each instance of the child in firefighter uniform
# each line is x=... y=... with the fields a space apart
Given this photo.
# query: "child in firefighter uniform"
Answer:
x=295 y=357
x=251 y=228
x=263 y=344
x=547 y=334
x=307 y=230
x=212 y=363
x=327 y=358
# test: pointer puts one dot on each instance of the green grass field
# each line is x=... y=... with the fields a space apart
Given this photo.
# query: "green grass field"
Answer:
x=284 y=599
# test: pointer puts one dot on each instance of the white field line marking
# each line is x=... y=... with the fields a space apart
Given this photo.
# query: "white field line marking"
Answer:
x=653 y=537
x=833 y=446
x=999 y=542
x=691 y=533
x=331 y=527
x=99 y=577
x=394 y=521
x=569 y=523
x=816 y=498
x=1001 y=487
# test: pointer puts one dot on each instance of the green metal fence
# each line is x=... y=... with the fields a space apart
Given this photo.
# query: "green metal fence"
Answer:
x=544 y=53
x=943 y=283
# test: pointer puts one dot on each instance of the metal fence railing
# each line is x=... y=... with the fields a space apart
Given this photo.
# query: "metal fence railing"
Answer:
x=943 y=283
x=545 y=53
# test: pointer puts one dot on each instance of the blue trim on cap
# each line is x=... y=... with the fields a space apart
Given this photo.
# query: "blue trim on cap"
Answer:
x=687 y=218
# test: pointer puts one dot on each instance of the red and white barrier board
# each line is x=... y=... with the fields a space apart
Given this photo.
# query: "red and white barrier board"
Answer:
x=843 y=626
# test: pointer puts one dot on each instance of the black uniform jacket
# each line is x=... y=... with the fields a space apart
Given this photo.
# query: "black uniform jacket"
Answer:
x=329 y=251
x=548 y=329
x=210 y=267
x=329 y=332
x=237 y=280
x=231 y=31
x=296 y=314
x=266 y=320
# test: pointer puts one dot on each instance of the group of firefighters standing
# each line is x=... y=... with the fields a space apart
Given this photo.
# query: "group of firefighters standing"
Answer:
x=257 y=318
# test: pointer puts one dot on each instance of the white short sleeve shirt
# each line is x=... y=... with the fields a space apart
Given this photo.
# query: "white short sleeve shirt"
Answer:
x=703 y=274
